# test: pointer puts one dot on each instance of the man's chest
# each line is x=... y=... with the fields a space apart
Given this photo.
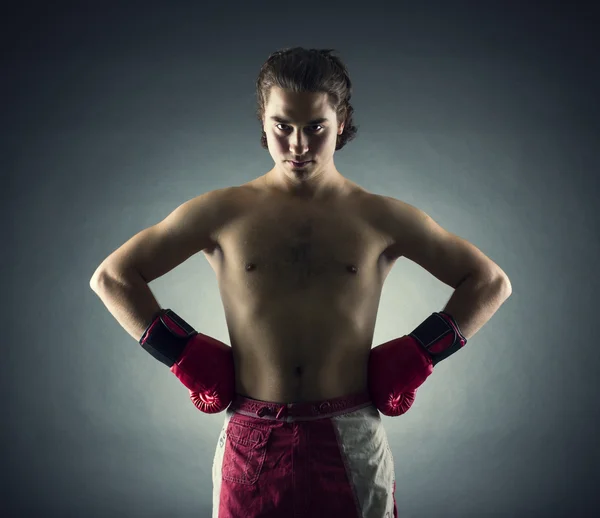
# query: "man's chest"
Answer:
x=325 y=240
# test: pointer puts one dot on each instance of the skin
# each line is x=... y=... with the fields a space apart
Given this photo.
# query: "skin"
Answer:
x=298 y=139
x=300 y=256
x=301 y=267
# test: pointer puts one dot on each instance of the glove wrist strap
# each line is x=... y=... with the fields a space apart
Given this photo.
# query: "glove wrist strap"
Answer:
x=440 y=336
x=166 y=337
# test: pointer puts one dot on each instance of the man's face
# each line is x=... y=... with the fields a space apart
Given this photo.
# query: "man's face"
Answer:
x=301 y=127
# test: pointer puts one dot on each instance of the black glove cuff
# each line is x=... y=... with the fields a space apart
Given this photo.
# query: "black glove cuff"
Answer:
x=439 y=337
x=166 y=337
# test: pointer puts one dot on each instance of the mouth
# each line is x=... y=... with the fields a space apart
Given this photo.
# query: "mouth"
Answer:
x=300 y=164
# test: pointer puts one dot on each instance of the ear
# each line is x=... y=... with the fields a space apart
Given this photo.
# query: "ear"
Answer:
x=341 y=128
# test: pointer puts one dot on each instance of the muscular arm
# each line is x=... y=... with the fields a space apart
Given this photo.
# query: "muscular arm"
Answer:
x=480 y=285
x=127 y=297
x=475 y=301
x=416 y=236
x=202 y=364
x=121 y=281
x=398 y=367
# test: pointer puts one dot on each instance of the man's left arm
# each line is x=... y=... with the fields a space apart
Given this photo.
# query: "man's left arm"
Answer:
x=397 y=368
x=476 y=299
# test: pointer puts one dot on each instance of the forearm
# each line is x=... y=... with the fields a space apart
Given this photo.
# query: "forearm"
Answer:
x=128 y=298
x=476 y=300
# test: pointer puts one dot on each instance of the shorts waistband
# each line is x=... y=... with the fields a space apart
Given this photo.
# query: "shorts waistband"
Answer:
x=299 y=411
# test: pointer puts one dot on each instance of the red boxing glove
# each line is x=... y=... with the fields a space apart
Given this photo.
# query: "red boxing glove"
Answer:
x=397 y=368
x=204 y=365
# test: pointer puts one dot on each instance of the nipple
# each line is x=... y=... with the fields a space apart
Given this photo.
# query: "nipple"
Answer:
x=351 y=268
x=250 y=266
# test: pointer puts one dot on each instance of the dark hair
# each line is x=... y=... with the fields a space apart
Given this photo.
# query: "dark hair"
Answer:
x=308 y=70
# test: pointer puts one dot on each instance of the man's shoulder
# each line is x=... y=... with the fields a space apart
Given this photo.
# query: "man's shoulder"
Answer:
x=393 y=217
x=381 y=206
x=222 y=198
x=218 y=205
x=384 y=204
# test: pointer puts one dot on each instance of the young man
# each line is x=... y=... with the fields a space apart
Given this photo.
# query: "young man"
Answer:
x=301 y=254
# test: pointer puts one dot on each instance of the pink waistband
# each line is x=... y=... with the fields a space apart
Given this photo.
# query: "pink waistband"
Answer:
x=298 y=411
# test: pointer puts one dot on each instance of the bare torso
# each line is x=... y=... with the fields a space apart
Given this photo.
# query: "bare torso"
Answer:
x=300 y=283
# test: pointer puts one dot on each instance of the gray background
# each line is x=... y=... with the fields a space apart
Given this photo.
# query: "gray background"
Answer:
x=483 y=114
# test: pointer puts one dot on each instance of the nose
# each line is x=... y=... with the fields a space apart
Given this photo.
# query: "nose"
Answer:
x=299 y=144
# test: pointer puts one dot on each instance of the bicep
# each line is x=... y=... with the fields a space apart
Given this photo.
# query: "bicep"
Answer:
x=445 y=255
x=158 y=249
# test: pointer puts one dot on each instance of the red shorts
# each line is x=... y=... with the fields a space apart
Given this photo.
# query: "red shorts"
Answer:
x=321 y=459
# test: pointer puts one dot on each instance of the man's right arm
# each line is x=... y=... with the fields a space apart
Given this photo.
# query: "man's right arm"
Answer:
x=121 y=281
x=128 y=298
x=203 y=365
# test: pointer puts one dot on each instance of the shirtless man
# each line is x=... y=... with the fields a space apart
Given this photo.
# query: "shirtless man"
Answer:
x=301 y=254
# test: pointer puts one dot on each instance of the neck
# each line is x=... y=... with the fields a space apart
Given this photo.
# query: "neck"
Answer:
x=319 y=187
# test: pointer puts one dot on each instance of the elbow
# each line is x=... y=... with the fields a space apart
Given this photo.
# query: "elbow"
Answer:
x=504 y=282
x=94 y=281
x=508 y=287
x=498 y=276
x=97 y=279
x=108 y=273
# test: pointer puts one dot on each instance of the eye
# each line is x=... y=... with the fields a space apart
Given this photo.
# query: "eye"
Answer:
x=315 y=126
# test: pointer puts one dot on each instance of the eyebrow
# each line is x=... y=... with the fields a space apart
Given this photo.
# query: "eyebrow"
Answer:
x=287 y=121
